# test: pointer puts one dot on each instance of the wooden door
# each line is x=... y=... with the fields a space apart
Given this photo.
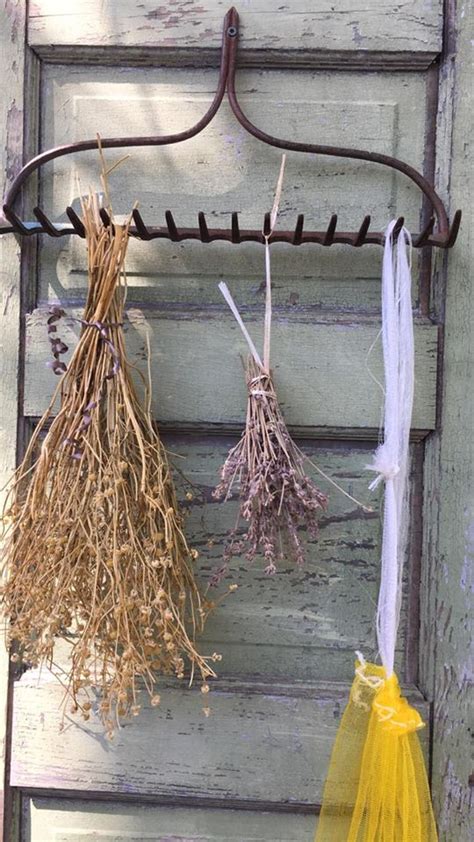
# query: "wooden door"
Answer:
x=254 y=769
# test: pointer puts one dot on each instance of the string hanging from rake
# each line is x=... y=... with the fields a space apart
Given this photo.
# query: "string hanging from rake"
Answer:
x=376 y=788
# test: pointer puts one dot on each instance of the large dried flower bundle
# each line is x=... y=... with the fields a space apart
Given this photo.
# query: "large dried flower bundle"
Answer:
x=95 y=551
x=277 y=498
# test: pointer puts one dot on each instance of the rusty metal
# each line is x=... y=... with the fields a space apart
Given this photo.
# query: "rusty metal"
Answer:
x=436 y=231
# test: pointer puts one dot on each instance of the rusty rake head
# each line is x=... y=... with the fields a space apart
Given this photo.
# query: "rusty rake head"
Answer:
x=234 y=233
x=436 y=230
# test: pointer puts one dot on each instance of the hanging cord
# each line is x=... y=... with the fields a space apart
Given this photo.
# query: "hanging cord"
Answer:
x=391 y=460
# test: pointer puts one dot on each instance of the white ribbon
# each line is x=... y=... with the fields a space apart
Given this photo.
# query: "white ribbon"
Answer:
x=391 y=458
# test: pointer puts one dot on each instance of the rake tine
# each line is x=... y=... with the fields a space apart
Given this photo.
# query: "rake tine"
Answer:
x=267 y=225
x=297 y=236
x=421 y=240
x=329 y=235
x=48 y=226
x=16 y=222
x=203 y=229
x=398 y=227
x=360 y=237
x=172 y=230
x=453 y=231
x=76 y=222
x=104 y=216
x=235 y=230
x=142 y=230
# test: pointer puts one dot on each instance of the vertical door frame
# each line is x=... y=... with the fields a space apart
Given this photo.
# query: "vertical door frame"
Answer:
x=12 y=119
x=448 y=553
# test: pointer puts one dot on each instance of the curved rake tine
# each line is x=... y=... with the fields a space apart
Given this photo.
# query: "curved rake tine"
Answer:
x=267 y=225
x=235 y=230
x=360 y=237
x=76 y=222
x=104 y=216
x=172 y=230
x=398 y=227
x=48 y=226
x=203 y=229
x=142 y=230
x=16 y=222
x=454 y=230
x=297 y=236
x=329 y=235
x=421 y=240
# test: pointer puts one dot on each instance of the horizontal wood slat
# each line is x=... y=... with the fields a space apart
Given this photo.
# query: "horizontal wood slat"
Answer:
x=266 y=744
x=412 y=26
x=321 y=369
x=67 y=820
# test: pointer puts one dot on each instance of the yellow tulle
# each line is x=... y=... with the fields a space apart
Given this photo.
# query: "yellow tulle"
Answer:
x=376 y=789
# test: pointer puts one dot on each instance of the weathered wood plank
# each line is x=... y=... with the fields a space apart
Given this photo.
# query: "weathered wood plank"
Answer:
x=66 y=820
x=448 y=627
x=301 y=623
x=261 y=743
x=377 y=25
x=12 y=49
x=321 y=370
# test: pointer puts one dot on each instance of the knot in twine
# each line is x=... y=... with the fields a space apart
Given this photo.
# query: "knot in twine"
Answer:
x=384 y=465
x=392 y=710
x=260 y=392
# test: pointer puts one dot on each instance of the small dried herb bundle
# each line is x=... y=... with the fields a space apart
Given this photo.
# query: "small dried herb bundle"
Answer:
x=277 y=498
x=95 y=551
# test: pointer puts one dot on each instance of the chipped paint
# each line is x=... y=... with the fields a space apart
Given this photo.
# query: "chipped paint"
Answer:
x=14 y=11
x=14 y=134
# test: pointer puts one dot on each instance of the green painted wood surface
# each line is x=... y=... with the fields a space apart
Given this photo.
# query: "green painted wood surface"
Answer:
x=448 y=607
x=12 y=49
x=58 y=820
x=262 y=744
x=301 y=624
x=322 y=370
x=410 y=26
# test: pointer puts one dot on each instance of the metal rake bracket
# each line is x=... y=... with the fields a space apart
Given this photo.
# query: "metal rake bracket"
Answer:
x=435 y=232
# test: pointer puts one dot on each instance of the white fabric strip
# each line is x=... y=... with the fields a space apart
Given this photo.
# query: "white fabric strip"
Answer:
x=391 y=461
x=230 y=301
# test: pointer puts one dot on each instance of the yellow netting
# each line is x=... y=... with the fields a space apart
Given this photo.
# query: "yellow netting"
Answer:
x=376 y=789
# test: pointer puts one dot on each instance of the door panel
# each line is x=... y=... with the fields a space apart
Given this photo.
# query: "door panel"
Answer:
x=287 y=642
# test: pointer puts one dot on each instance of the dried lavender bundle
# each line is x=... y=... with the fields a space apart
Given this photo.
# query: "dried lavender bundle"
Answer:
x=277 y=498
x=95 y=551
